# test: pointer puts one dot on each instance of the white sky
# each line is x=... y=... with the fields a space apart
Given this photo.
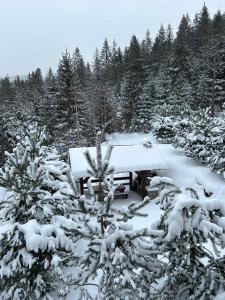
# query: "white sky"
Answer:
x=34 y=33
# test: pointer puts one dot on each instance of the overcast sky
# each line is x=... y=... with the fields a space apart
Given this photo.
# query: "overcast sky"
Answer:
x=34 y=33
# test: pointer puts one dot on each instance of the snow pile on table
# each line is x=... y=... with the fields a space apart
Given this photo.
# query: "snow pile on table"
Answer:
x=129 y=138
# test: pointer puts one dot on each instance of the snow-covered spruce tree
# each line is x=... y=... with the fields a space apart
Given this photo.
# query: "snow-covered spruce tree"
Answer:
x=181 y=94
x=50 y=104
x=70 y=120
x=5 y=139
x=213 y=60
x=142 y=120
x=118 y=260
x=188 y=222
x=134 y=78
x=34 y=249
x=11 y=126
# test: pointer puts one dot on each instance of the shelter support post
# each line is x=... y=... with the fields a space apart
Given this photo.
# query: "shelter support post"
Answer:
x=81 y=186
x=131 y=179
x=142 y=185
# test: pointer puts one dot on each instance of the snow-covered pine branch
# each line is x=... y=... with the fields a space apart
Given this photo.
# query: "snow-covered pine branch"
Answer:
x=189 y=222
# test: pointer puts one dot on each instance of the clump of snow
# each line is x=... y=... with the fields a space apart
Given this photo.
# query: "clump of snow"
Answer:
x=220 y=296
x=2 y=193
x=157 y=180
x=41 y=237
x=129 y=138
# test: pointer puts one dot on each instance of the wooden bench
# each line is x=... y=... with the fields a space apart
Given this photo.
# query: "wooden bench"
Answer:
x=121 y=195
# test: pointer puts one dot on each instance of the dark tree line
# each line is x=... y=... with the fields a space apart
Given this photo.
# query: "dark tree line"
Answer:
x=123 y=89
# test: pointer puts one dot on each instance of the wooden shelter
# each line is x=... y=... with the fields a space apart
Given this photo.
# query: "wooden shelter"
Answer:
x=134 y=164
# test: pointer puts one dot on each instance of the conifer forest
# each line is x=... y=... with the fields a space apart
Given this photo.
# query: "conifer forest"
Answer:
x=59 y=241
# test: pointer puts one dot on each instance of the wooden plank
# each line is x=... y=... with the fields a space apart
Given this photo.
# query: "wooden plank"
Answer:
x=121 y=178
x=124 y=183
x=115 y=179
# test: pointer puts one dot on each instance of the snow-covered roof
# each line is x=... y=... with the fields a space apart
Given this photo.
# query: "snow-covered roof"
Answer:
x=123 y=158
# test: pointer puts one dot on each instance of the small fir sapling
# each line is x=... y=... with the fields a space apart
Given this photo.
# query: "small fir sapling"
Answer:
x=120 y=258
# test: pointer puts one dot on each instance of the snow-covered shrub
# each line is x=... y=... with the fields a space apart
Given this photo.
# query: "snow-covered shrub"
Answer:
x=120 y=258
x=164 y=128
x=188 y=222
x=183 y=128
x=35 y=248
x=198 y=140
x=217 y=159
x=202 y=137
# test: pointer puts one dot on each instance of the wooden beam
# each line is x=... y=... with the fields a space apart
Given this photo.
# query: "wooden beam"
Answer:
x=85 y=180
x=142 y=185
